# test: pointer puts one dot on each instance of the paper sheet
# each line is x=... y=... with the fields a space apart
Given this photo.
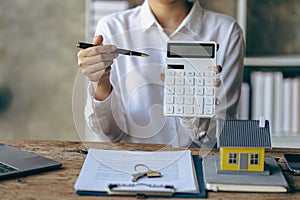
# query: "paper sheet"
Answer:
x=104 y=167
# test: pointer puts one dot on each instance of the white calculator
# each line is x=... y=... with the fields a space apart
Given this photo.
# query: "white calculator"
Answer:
x=189 y=79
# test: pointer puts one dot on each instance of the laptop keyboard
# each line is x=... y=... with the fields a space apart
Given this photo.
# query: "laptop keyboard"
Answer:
x=5 y=168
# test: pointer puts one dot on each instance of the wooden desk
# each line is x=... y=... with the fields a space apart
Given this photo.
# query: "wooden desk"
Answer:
x=60 y=184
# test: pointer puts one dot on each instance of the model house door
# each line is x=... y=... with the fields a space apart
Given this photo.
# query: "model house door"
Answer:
x=243 y=161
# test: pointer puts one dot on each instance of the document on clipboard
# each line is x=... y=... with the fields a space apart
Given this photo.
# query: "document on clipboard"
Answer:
x=111 y=172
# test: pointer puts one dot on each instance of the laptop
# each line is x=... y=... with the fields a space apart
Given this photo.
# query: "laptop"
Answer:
x=15 y=162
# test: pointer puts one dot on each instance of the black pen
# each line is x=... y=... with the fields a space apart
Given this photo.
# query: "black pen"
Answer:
x=84 y=45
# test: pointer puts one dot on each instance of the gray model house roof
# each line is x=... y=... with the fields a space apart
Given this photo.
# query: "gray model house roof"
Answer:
x=243 y=133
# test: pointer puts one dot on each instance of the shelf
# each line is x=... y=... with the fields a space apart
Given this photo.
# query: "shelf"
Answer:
x=289 y=65
x=286 y=141
x=273 y=61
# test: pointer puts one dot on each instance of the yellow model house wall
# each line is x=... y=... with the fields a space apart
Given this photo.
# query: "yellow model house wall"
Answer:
x=226 y=166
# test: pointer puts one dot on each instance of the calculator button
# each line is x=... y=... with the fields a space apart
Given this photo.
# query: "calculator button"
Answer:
x=179 y=109
x=189 y=110
x=179 y=100
x=209 y=91
x=209 y=110
x=199 y=110
x=179 y=90
x=209 y=101
x=190 y=73
x=199 y=100
x=180 y=73
x=200 y=74
x=169 y=109
x=171 y=73
x=189 y=100
x=179 y=81
x=199 y=81
x=170 y=90
x=170 y=99
x=170 y=81
x=209 y=82
x=199 y=105
x=199 y=91
x=189 y=90
x=190 y=81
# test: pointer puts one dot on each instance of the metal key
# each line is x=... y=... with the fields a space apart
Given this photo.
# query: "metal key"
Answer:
x=149 y=174
x=138 y=175
x=153 y=174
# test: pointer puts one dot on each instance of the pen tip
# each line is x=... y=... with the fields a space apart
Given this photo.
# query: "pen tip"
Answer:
x=144 y=54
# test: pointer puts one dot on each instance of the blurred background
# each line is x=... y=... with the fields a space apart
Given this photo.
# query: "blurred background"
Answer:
x=38 y=63
x=38 y=66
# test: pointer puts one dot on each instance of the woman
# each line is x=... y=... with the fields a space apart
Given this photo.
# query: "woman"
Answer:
x=125 y=94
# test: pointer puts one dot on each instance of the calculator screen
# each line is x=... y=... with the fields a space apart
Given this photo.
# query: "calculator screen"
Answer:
x=175 y=66
x=191 y=50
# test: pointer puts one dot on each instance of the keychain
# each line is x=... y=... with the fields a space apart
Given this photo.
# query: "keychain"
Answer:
x=149 y=173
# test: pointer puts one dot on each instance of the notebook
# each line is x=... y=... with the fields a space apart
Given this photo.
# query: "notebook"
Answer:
x=15 y=162
x=275 y=182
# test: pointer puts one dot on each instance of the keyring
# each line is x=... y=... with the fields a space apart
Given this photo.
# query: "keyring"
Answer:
x=141 y=165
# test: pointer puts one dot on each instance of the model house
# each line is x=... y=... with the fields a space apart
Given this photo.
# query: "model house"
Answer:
x=242 y=144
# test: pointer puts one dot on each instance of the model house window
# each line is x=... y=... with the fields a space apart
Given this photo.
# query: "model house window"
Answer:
x=254 y=159
x=232 y=158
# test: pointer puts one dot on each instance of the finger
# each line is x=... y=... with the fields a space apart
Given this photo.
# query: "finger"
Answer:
x=87 y=52
x=98 y=40
x=92 y=60
x=100 y=66
x=162 y=76
x=105 y=49
x=98 y=58
x=96 y=77
x=99 y=76
x=90 y=69
x=218 y=69
x=217 y=102
x=217 y=83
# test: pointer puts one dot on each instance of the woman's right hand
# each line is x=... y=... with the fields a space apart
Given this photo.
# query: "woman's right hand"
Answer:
x=95 y=63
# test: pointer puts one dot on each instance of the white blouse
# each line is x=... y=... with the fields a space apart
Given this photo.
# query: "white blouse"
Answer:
x=134 y=111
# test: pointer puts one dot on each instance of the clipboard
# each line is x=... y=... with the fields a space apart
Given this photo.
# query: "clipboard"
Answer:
x=171 y=194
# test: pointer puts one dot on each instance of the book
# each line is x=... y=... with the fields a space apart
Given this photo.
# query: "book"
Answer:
x=269 y=97
x=278 y=105
x=287 y=103
x=244 y=102
x=275 y=182
x=277 y=99
x=257 y=82
x=295 y=100
x=110 y=172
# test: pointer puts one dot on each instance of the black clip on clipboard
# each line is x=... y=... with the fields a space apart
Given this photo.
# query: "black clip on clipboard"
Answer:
x=137 y=190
